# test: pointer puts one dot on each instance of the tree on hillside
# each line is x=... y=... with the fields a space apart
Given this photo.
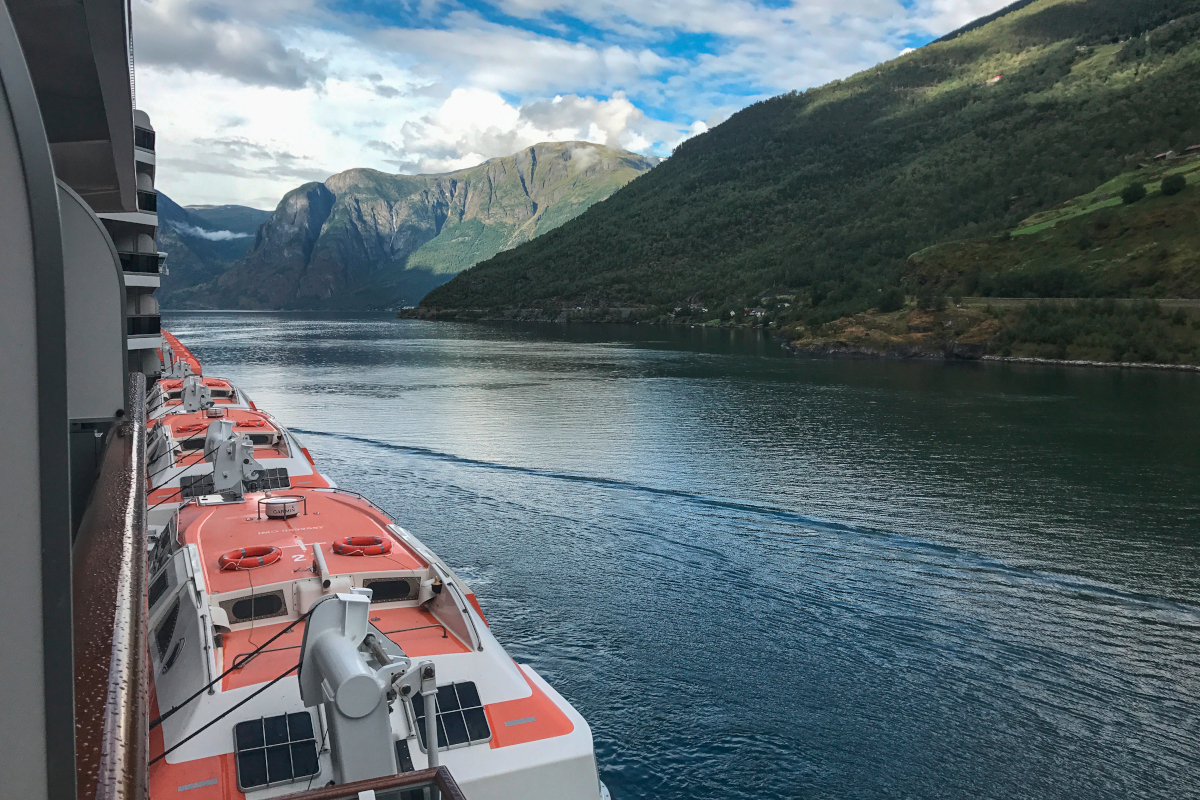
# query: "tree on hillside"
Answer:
x=1133 y=192
x=1173 y=184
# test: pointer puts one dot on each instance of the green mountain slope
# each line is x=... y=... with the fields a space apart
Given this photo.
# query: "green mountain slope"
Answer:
x=823 y=195
x=366 y=239
x=201 y=243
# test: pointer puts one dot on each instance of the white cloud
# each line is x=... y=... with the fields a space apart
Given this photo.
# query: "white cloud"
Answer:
x=200 y=233
x=250 y=99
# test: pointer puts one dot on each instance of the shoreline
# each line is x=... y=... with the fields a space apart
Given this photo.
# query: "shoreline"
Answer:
x=948 y=350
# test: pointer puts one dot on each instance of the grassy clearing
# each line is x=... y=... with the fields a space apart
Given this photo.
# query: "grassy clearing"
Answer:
x=1109 y=194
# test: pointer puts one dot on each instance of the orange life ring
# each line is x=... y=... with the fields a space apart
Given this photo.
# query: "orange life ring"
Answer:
x=249 y=557
x=362 y=546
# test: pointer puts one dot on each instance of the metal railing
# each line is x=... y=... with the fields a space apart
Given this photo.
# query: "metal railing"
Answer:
x=143 y=324
x=142 y=262
x=109 y=625
x=406 y=785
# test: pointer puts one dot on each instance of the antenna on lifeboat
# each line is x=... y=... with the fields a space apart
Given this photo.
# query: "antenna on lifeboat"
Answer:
x=232 y=457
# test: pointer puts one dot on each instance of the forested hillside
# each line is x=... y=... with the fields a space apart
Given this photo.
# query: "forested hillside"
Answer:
x=823 y=195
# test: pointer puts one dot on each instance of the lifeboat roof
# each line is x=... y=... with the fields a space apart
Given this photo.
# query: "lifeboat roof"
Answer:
x=325 y=517
x=185 y=426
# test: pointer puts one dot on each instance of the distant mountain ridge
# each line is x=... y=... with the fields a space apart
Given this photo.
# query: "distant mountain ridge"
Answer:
x=366 y=239
x=201 y=243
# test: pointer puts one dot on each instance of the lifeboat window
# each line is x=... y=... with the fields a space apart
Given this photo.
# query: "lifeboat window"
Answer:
x=261 y=438
x=192 y=443
x=273 y=750
x=166 y=631
x=170 y=662
x=461 y=719
x=389 y=590
x=218 y=392
x=259 y=606
x=157 y=588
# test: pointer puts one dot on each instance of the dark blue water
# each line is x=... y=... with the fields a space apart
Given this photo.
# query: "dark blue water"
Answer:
x=764 y=577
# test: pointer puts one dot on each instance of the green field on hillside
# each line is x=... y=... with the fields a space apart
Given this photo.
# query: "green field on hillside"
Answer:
x=1095 y=245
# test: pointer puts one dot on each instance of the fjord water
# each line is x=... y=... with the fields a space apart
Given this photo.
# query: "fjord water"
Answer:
x=766 y=577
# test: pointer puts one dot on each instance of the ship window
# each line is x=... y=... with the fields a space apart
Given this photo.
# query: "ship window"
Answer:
x=388 y=590
x=461 y=719
x=166 y=631
x=274 y=750
x=259 y=606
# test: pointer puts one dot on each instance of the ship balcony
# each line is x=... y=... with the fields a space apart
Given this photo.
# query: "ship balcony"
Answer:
x=147 y=201
x=143 y=139
x=143 y=324
x=145 y=263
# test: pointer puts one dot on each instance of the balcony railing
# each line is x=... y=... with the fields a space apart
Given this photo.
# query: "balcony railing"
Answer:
x=147 y=201
x=142 y=262
x=143 y=324
x=143 y=138
x=109 y=629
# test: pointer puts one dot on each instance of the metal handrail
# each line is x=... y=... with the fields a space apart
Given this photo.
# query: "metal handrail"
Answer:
x=109 y=626
x=439 y=777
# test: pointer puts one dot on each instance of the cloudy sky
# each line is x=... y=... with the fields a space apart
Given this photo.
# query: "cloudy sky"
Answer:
x=250 y=98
